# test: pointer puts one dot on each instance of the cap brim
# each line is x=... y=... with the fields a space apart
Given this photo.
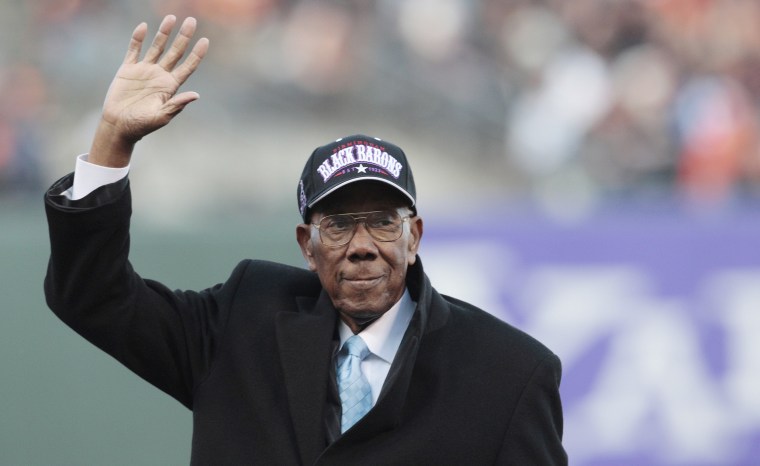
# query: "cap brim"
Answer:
x=354 y=180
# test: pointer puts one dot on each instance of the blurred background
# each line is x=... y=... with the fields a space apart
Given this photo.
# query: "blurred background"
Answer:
x=588 y=171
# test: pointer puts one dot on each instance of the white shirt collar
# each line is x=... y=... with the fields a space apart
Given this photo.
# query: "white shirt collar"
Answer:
x=384 y=335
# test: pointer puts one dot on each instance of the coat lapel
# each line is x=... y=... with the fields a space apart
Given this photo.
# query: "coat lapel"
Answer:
x=305 y=340
x=387 y=413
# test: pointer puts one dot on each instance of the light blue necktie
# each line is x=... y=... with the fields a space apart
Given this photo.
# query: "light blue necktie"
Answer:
x=355 y=392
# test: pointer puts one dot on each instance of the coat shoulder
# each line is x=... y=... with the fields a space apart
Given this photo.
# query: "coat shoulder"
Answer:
x=277 y=278
x=482 y=331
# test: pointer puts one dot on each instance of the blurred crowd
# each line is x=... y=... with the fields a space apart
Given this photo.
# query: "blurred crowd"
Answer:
x=596 y=98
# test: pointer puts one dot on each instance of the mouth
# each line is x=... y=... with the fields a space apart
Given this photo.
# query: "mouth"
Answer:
x=362 y=282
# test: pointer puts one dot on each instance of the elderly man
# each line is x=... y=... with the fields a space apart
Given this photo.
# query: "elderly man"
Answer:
x=357 y=360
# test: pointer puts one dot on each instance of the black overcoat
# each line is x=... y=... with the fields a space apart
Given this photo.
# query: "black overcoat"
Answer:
x=251 y=357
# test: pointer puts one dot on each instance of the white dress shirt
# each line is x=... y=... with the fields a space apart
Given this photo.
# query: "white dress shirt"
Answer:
x=383 y=338
x=88 y=177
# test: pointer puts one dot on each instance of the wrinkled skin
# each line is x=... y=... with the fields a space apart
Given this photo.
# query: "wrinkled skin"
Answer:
x=365 y=277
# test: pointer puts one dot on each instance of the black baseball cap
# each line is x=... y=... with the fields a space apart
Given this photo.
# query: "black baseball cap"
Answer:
x=351 y=159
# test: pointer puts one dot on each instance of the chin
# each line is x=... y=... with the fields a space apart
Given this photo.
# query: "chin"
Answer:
x=360 y=309
x=362 y=304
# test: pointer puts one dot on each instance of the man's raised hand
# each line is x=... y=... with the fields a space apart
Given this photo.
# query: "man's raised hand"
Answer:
x=143 y=96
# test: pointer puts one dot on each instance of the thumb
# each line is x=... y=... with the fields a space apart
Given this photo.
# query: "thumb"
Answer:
x=177 y=103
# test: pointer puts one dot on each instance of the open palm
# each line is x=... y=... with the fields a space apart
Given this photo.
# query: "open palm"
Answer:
x=143 y=95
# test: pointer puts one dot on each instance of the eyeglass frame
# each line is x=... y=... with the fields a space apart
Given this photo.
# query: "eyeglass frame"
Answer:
x=361 y=217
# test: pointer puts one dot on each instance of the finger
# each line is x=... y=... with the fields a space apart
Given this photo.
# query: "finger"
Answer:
x=190 y=64
x=177 y=103
x=135 y=43
x=183 y=98
x=179 y=45
x=159 y=42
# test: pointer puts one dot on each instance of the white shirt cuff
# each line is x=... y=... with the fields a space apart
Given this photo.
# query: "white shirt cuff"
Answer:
x=88 y=177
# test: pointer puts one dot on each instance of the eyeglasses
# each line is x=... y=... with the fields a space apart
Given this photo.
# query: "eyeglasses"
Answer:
x=338 y=230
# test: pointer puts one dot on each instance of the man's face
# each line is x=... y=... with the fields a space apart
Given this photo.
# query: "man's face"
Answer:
x=365 y=277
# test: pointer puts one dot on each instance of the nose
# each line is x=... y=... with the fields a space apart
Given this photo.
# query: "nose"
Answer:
x=362 y=246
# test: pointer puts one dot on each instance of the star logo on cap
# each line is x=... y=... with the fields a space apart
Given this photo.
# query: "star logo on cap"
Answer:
x=361 y=169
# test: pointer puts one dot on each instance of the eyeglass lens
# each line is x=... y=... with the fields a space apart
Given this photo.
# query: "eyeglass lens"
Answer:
x=382 y=225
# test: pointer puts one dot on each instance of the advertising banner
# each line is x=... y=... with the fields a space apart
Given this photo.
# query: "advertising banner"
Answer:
x=655 y=316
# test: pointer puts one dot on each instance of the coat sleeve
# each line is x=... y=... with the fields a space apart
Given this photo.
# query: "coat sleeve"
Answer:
x=166 y=337
x=534 y=435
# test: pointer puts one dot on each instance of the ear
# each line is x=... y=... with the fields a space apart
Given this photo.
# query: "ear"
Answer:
x=303 y=236
x=415 y=236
